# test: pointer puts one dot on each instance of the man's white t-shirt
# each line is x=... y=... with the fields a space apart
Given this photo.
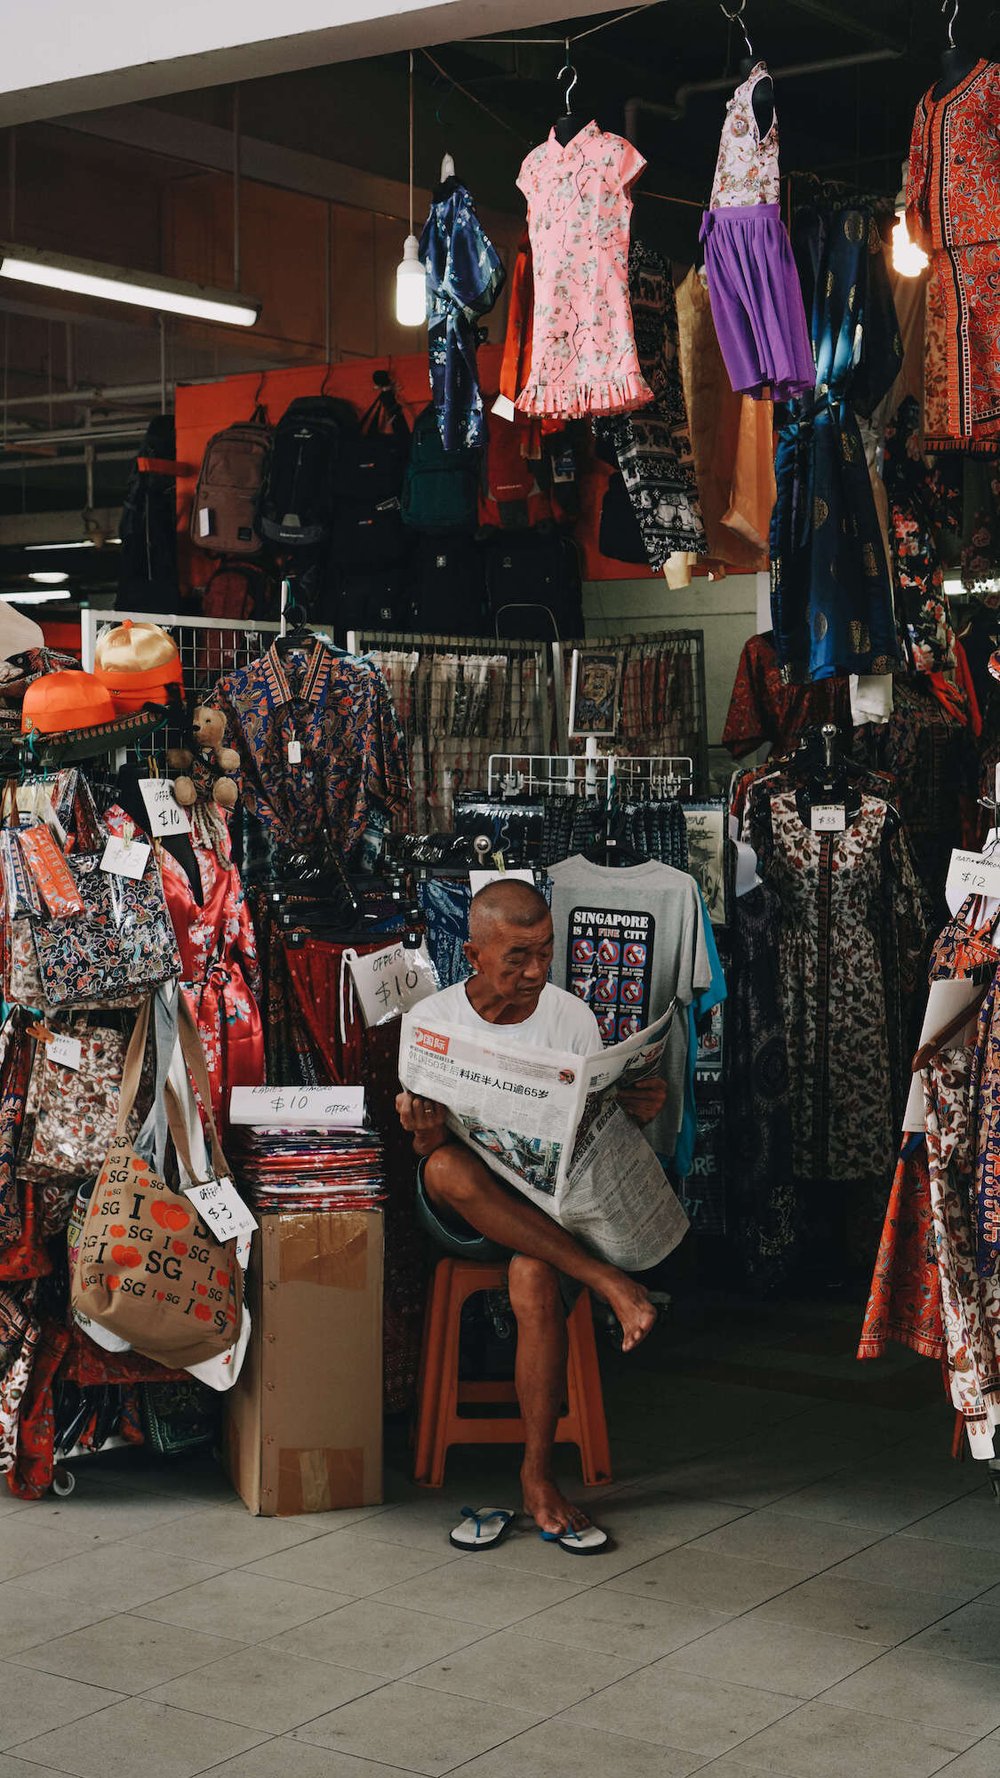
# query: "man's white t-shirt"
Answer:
x=560 y=1021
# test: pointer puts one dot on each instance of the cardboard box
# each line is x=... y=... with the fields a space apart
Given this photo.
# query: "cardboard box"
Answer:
x=304 y=1421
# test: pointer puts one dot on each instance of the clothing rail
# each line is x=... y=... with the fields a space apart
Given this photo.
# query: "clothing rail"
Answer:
x=589 y=774
x=360 y=641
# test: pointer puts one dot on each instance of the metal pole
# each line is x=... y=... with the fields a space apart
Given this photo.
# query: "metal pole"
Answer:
x=329 y=282
x=11 y=179
x=163 y=364
x=236 y=187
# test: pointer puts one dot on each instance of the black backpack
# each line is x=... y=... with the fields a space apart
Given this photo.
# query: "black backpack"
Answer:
x=368 y=525
x=147 y=559
x=533 y=585
x=373 y=599
x=298 y=496
x=441 y=488
x=449 y=596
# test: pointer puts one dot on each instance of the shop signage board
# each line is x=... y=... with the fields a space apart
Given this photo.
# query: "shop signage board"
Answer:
x=306 y=1108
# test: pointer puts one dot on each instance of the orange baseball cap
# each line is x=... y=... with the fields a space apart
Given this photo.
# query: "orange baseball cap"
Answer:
x=60 y=701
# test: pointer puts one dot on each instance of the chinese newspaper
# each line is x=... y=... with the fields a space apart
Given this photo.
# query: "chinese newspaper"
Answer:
x=549 y=1123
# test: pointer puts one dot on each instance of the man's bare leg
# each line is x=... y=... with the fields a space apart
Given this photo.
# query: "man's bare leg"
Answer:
x=456 y=1178
x=540 y=1378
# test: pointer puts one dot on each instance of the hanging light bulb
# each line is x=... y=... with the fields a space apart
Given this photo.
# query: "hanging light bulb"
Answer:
x=411 y=279
x=908 y=259
x=411 y=286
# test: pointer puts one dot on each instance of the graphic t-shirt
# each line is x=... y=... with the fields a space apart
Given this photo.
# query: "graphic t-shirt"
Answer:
x=702 y=1003
x=559 y=1022
x=627 y=942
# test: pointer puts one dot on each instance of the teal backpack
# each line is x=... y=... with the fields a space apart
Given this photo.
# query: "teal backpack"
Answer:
x=440 y=488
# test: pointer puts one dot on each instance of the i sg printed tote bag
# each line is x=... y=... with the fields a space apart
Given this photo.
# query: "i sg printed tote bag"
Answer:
x=148 y=1268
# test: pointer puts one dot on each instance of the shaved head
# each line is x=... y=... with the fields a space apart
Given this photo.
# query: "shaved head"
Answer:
x=505 y=904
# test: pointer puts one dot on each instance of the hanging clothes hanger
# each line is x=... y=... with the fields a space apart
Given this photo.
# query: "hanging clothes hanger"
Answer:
x=763 y=92
x=955 y=63
x=571 y=122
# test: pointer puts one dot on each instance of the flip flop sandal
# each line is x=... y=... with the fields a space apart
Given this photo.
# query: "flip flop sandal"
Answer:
x=481 y=1529
x=588 y=1542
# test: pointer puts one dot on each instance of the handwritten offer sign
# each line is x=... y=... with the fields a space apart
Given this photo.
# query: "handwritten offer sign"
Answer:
x=390 y=981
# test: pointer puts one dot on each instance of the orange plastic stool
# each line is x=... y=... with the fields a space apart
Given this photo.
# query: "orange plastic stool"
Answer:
x=441 y=1395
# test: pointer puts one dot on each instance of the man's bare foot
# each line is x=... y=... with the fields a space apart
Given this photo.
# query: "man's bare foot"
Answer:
x=632 y=1305
x=548 y=1506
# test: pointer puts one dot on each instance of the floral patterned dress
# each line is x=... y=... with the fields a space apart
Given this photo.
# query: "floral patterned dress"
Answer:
x=952 y=209
x=850 y=937
x=583 y=354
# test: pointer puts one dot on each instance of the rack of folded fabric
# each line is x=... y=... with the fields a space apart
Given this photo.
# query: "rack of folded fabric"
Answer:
x=311 y=1169
x=458 y=698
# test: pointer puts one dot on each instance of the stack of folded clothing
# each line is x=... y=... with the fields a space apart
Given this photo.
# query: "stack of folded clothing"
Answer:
x=310 y=1169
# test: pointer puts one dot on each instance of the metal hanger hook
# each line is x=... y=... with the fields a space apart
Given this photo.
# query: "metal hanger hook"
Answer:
x=568 y=68
x=736 y=18
x=951 y=21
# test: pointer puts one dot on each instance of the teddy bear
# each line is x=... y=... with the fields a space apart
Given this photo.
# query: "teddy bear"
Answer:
x=204 y=772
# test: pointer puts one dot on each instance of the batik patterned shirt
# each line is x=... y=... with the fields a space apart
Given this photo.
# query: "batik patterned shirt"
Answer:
x=321 y=748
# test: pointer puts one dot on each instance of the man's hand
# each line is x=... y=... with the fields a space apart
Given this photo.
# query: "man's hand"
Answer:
x=423 y=1119
x=645 y=1100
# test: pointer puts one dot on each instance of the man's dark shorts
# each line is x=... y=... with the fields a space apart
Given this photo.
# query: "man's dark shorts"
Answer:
x=459 y=1240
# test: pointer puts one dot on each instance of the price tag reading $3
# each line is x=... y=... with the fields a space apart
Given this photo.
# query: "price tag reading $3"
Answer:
x=219 y=1204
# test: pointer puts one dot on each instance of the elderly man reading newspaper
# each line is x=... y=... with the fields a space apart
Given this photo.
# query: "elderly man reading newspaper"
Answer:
x=531 y=1154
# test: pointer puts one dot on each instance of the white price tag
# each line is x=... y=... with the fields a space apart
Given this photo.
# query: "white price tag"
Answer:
x=295 y=753
x=973 y=873
x=390 y=981
x=165 y=814
x=66 y=1051
x=204 y=521
x=303 y=1108
x=828 y=818
x=480 y=878
x=219 y=1204
x=125 y=858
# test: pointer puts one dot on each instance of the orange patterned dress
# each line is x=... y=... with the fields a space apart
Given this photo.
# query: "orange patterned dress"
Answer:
x=953 y=210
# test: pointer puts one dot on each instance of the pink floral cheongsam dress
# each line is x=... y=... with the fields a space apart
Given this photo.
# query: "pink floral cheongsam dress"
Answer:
x=583 y=355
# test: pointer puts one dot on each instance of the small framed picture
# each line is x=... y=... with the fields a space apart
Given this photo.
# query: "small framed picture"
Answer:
x=706 y=842
x=595 y=691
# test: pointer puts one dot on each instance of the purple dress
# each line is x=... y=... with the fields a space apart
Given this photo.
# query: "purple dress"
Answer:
x=754 y=288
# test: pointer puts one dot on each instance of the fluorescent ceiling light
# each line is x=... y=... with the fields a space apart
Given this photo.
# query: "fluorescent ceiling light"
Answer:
x=37 y=596
x=77 y=543
x=169 y=295
x=50 y=578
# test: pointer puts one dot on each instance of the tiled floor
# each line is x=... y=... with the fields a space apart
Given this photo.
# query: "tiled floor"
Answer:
x=803 y=1584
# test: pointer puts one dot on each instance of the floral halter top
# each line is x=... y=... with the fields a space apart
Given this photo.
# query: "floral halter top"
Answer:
x=747 y=168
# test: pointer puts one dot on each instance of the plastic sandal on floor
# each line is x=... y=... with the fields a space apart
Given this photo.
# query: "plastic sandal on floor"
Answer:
x=482 y=1528
x=589 y=1541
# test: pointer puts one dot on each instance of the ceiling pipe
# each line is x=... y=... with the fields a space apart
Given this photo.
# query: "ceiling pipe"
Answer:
x=636 y=107
x=9 y=464
x=75 y=435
